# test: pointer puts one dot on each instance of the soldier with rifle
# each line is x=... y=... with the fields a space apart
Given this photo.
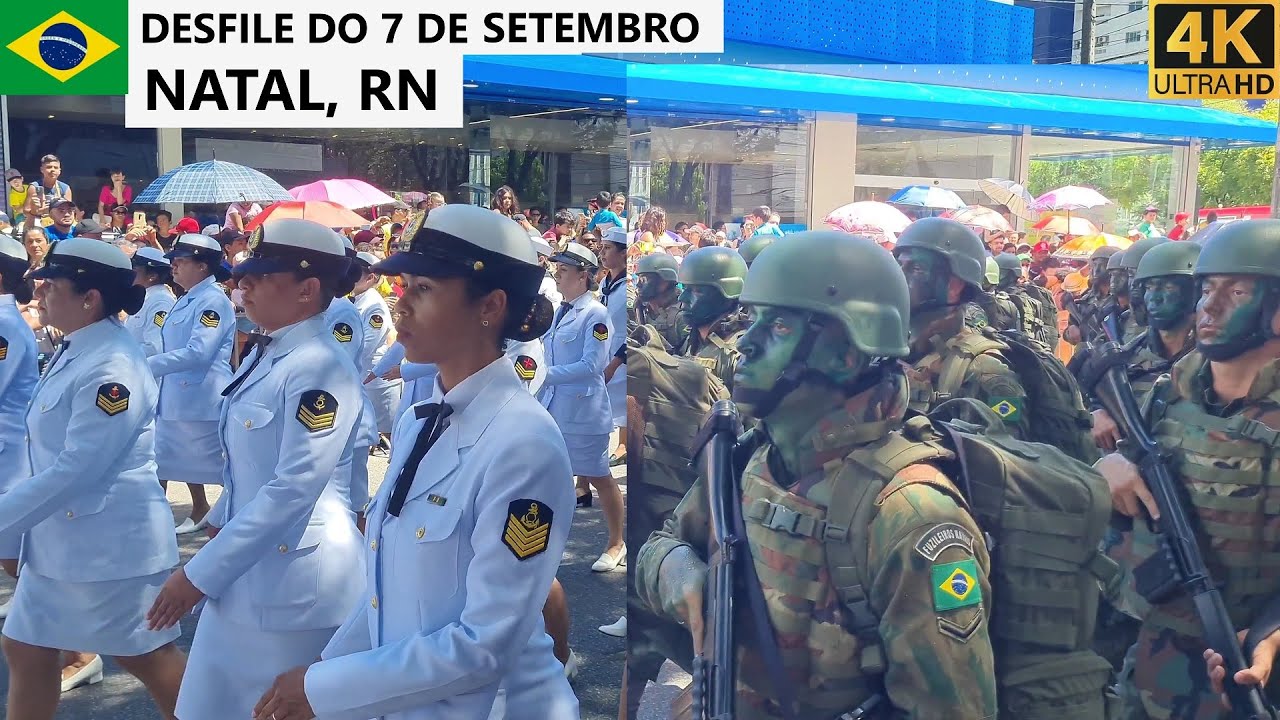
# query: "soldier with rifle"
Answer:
x=658 y=296
x=711 y=280
x=819 y=371
x=1205 y=482
x=1086 y=313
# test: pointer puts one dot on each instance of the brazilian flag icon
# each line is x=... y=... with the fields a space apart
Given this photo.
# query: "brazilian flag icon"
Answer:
x=65 y=48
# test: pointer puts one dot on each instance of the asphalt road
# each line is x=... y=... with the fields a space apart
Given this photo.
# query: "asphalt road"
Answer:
x=595 y=599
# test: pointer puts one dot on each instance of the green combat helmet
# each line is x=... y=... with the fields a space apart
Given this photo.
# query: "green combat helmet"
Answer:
x=712 y=278
x=752 y=247
x=1010 y=269
x=857 y=283
x=1098 y=262
x=1117 y=275
x=1243 y=248
x=1134 y=254
x=963 y=250
x=1169 y=306
x=652 y=268
x=992 y=276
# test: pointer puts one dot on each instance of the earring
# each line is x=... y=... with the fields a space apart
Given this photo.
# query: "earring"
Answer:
x=86 y=306
x=484 y=323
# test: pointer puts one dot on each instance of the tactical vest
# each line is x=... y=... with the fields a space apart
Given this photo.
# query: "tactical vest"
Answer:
x=1002 y=312
x=1228 y=467
x=719 y=356
x=1055 y=408
x=1043 y=513
x=1044 y=322
x=669 y=323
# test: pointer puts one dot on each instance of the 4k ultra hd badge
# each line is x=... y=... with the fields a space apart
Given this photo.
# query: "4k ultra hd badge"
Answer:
x=64 y=48
x=1218 y=49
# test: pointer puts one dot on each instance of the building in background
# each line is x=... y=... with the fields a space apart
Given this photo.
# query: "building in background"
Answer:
x=1120 y=31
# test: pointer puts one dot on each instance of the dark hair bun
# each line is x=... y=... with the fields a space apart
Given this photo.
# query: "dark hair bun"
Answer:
x=534 y=323
x=131 y=299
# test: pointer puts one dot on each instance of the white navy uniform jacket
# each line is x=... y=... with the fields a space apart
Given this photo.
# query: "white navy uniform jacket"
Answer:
x=348 y=330
x=19 y=373
x=549 y=290
x=457 y=582
x=577 y=351
x=288 y=549
x=147 y=325
x=195 y=363
x=375 y=323
x=614 y=297
x=94 y=510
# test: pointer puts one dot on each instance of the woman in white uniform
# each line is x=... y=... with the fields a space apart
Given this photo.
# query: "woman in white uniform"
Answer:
x=284 y=547
x=467 y=532
x=152 y=272
x=192 y=368
x=578 y=347
x=613 y=293
x=349 y=330
x=19 y=372
x=375 y=319
x=91 y=427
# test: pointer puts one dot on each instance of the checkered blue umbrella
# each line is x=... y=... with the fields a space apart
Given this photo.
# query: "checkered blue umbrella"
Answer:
x=213 y=182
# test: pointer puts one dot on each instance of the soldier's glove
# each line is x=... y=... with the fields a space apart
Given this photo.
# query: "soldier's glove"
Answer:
x=681 y=580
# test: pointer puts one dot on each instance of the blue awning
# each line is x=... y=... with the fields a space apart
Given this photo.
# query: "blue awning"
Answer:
x=727 y=89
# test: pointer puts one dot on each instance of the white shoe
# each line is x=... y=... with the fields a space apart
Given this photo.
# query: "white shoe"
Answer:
x=616 y=629
x=607 y=563
x=189 y=526
x=90 y=674
x=571 y=667
x=4 y=610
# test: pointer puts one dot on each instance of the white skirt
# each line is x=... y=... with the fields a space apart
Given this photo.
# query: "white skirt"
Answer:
x=189 y=451
x=231 y=665
x=385 y=398
x=107 y=618
x=588 y=454
x=617 y=389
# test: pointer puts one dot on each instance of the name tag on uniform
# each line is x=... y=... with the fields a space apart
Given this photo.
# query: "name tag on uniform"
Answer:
x=437 y=500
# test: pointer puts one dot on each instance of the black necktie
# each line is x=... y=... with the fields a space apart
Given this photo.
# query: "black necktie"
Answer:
x=564 y=310
x=62 y=348
x=259 y=341
x=436 y=416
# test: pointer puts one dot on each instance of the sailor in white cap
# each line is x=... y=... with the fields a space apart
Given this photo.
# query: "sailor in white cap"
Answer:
x=153 y=272
x=375 y=321
x=192 y=367
x=466 y=534
x=19 y=372
x=548 y=286
x=284 y=547
x=348 y=330
x=578 y=348
x=90 y=440
x=613 y=293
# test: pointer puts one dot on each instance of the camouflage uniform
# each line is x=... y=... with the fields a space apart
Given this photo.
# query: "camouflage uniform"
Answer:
x=940 y=663
x=711 y=278
x=718 y=354
x=668 y=321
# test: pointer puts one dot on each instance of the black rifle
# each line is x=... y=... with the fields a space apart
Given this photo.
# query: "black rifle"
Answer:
x=1178 y=563
x=714 y=670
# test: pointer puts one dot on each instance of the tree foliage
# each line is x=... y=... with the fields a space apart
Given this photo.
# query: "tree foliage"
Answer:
x=1232 y=177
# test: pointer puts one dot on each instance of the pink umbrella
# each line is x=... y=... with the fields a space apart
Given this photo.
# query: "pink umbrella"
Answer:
x=879 y=220
x=977 y=216
x=349 y=193
x=1070 y=197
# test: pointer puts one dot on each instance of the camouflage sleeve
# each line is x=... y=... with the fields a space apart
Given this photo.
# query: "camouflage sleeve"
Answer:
x=929 y=586
x=688 y=526
x=991 y=382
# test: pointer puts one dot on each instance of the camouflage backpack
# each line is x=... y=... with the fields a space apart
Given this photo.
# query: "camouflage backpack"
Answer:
x=1043 y=515
x=1047 y=313
x=1055 y=409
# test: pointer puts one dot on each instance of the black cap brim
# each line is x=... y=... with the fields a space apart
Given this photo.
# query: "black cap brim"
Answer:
x=411 y=263
x=563 y=259
x=180 y=252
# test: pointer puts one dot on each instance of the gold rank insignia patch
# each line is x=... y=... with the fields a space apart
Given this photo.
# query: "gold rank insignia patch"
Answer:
x=317 y=410
x=209 y=319
x=706 y=362
x=254 y=238
x=375 y=321
x=526 y=367
x=528 y=528
x=158 y=318
x=113 y=399
x=4 y=348
x=343 y=332
x=600 y=331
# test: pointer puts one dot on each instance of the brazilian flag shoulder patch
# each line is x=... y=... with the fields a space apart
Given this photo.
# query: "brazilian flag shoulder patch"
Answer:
x=375 y=321
x=955 y=584
x=1008 y=408
x=343 y=332
x=158 y=318
x=528 y=529
x=113 y=399
x=317 y=410
x=526 y=367
x=600 y=332
x=210 y=319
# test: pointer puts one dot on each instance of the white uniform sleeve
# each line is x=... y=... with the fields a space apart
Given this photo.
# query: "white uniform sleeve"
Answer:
x=392 y=357
x=152 y=328
x=209 y=327
x=16 y=360
x=505 y=596
x=92 y=435
x=595 y=352
x=303 y=469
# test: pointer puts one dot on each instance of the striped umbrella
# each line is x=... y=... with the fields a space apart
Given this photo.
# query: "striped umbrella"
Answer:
x=977 y=216
x=1009 y=194
x=213 y=182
